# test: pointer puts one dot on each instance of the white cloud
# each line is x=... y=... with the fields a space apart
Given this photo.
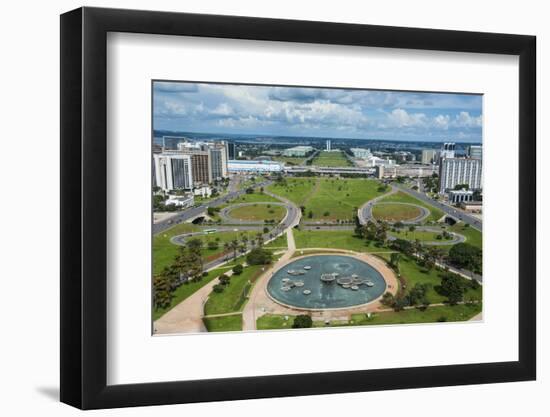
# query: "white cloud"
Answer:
x=401 y=118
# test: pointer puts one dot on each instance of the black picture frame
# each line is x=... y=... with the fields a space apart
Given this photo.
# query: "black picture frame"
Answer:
x=84 y=207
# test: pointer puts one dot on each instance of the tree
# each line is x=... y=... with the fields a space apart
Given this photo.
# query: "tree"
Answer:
x=310 y=214
x=388 y=299
x=250 y=190
x=259 y=256
x=238 y=269
x=452 y=287
x=234 y=246
x=465 y=255
x=394 y=260
x=213 y=245
x=302 y=321
x=163 y=286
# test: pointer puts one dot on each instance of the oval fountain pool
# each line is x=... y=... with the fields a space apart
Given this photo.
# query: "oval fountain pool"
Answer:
x=319 y=282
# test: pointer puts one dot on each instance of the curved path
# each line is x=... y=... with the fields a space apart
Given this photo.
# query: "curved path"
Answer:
x=364 y=213
x=225 y=213
x=424 y=211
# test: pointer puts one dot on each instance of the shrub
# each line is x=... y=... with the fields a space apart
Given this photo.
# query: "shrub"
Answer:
x=218 y=288
x=302 y=321
x=259 y=256
x=238 y=269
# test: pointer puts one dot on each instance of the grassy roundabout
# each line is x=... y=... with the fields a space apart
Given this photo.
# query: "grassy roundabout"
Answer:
x=258 y=212
x=401 y=197
x=395 y=212
x=331 y=159
x=328 y=199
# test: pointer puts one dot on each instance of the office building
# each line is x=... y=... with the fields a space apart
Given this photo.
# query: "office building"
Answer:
x=329 y=146
x=475 y=151
x=379 y=171
x=460 y=196
x=200 y=166
x=361 y=153
x=255 y=166
x=218 y=161
x=173 y=171
x=455 y=171
x=299 y=151
x=170 y=143
x=429 y=156
x=231 y=150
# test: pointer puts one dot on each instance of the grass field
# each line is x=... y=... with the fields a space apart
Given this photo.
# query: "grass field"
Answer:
x=255 y=197
x=164 y=251
x=186 y=290
x=473 y=237
x=331 y=159
x=414 y=274
x=258 y=212
x=460 y=312
x=290 y=160
x=297 y=190
x=279 y=242
x=395 y=212
x=401 y=197
x=231 y=323
x=233 y=297
x=336 y=239
x=328 y=199
x=423 y=236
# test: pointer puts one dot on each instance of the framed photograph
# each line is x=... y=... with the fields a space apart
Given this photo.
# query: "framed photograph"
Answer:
x=257 y=208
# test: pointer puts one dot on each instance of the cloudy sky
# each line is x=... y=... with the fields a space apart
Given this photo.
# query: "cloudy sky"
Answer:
x=321 y=112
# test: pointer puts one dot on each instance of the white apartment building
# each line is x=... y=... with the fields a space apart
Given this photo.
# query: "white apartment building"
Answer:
x=173 y=171
x=429 y=156
x=361 y=153
x=454 y=171
x=475 y=151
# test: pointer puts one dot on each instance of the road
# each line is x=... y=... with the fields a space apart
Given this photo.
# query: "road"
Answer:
x=459 y=214
x=198 y=210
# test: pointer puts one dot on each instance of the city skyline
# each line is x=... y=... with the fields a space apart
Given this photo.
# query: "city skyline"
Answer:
x=316 y=112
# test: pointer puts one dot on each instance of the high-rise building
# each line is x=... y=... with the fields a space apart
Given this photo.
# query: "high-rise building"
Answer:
x=329 y=147
x=379 y=171
x=429 y=156
x=170 y=143
x=447 y=151
x=218 y=161
x=200 y=168
x=173 y=171
x=361 y=153
x=455 y=171
x=475 y=151
x=231 y=150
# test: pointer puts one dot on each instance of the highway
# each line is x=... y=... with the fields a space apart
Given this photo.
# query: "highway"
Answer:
x=459 y=214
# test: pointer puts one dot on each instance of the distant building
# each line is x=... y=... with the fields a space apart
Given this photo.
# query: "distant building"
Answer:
x=218 y=162
x=183 y=201
x=200 y=165
x=374 y=161
x=460 y=196
x=447 y=151
x=379 y=171
x=203 y=191
x=255 y=166
x=173 y=171
x=455 y=171
x=170 y=143
x=231 y=149
x=329 y=146
x=361 y=153
x=472 y=206
x=475 y=151
x=299 y=151
x=429 y=156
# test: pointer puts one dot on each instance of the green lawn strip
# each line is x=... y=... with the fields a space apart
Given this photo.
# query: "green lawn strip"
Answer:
x=339 y=199
x=296 y=190
x=331 y=159
x=274 y=321
x=423 y=236
x=401 y=197
x=473 y=237
x=255 y=197
x=231 y=323
x=258 y=212
x=290 y=160
x=233 y=297
x=335 y=239
x=186 y=290
x=395 y=212
x=459 y=312
x=279 y=242
x=164 y=251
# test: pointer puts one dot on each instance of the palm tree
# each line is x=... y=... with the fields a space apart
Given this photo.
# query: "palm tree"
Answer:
x=226 y=247
x=260 y=239
x=234 y=245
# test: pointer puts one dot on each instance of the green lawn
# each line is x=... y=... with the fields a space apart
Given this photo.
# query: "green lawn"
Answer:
x=186 y=290
x=232 y=323
x=297 y=190
x=164 y=251
x=258 y=212
x=233 y=297
x=423 y=236
x=401 y=197
x=290 y=160
x=279 y=242
x=328 y=199
x=335 y=239
x=414 y=274
x=331 y=159
x=473 y=237
x=255 y=197
x=395 y=212
x=459 y=312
